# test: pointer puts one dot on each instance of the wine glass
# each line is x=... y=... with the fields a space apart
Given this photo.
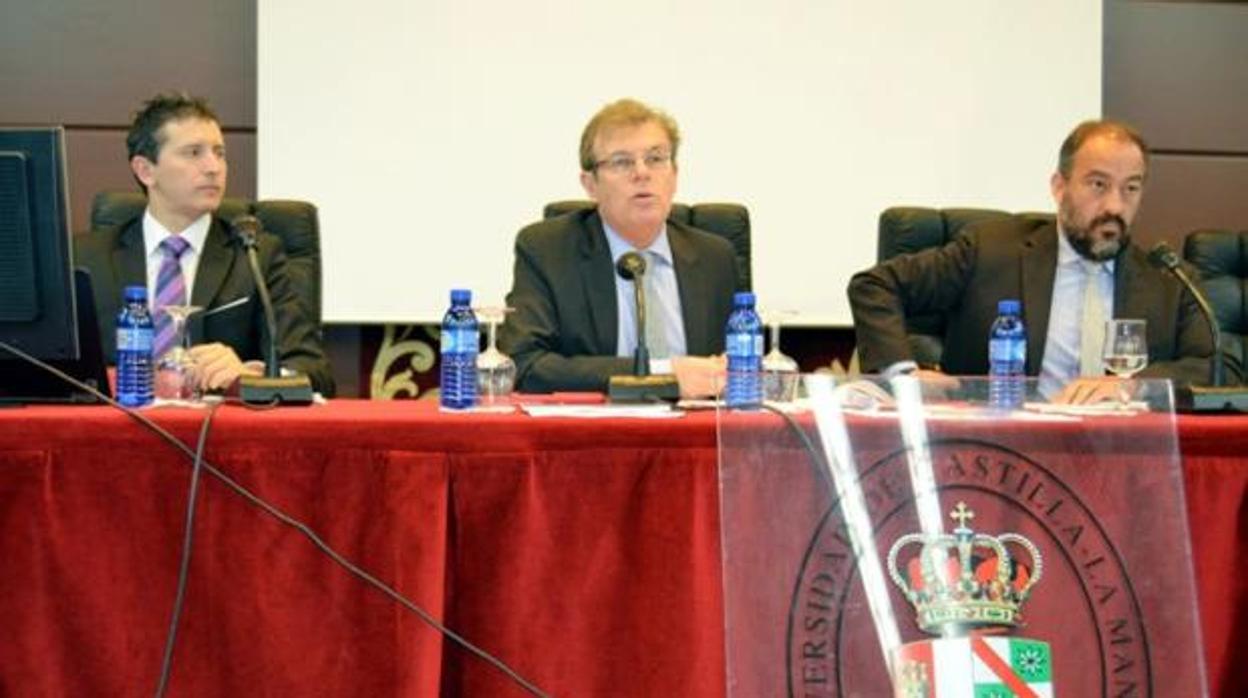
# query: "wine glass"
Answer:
x=496 y=372
x=780 y=371
x=177 y=376
x=1125 y=352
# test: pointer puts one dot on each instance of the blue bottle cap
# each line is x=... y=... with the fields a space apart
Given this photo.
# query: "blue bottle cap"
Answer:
x=743 y=298
x=1009 y=306
x=461 y=296
x=135 y=293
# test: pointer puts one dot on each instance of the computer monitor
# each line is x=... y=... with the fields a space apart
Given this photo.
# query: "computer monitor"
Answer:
x=39 y=296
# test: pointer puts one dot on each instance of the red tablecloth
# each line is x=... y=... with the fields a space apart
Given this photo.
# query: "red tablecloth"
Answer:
x=586 y=554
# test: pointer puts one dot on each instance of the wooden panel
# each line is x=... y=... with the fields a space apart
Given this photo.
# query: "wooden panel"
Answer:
x=1179 y=72
x=91 y=63
x=1189 y=192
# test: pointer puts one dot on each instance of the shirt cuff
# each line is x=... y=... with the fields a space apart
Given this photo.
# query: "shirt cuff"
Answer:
x=660 y=366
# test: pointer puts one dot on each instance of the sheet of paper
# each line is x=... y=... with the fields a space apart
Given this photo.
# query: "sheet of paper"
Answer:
x=1098 y=409
x=655 y=411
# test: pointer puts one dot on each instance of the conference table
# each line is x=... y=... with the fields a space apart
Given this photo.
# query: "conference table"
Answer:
x=583 y=553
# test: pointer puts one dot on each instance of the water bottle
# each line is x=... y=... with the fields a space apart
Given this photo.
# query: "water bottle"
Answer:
x=135 y=335
x=1007 y=357
x=461 y=338
x=744 y=343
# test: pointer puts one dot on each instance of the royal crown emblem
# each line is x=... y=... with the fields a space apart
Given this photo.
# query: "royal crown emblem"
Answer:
x=966 y=580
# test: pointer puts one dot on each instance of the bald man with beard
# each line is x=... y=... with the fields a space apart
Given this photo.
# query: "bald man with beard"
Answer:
x=1098 y=187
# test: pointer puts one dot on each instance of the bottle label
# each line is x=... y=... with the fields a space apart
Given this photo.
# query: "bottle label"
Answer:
x=459 y=340
x=1007 y=349
x=744 y=344
x=134 y=339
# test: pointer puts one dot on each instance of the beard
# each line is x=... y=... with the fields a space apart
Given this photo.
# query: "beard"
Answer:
x=1089 y=244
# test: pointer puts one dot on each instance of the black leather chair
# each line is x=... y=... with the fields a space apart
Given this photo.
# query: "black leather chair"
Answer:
x=729 y=221
x=909 y=229
x=1221 y=259
x=295 y=222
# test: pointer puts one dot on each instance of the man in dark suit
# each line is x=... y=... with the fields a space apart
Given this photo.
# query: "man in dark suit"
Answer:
x=179 y=248
x=1082 y=265
x=574 y=322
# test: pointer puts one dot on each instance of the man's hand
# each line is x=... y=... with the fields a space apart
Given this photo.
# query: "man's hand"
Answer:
x=219 y=367
x=937 y=379
x=1086 y=391
x=700 y=376
x=934 y=384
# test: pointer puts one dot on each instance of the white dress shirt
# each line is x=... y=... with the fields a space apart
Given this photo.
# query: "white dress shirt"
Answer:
x=154 y=233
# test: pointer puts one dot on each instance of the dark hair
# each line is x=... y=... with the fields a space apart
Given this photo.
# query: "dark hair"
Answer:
x=144 y=137
x=622 y=113
x=1097 y=127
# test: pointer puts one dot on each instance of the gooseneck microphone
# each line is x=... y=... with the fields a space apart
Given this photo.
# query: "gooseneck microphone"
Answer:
x=272 y=388
x=1162 y=257
x=640 y=386
x=632 y=267
x=246 y=231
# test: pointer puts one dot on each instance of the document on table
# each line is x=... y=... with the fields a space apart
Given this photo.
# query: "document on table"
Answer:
x=649 y=411
x=1095 y=409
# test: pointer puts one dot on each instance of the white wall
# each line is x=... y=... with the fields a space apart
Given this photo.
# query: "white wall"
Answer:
x=430 y=132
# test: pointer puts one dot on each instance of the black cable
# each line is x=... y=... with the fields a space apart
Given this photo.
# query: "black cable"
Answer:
x=188 y=539
x=816 y=456
x=289 y=521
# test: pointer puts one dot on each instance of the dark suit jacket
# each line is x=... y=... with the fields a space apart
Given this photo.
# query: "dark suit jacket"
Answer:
x=115 y=257
x=1016 y=258
x=563 y=331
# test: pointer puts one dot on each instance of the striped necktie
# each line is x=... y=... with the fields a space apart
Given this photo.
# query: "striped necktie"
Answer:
x=170 y=290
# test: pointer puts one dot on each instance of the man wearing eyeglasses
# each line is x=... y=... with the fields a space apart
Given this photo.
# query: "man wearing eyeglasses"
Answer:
x=574 y=321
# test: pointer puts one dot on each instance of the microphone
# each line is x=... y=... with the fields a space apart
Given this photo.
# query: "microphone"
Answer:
x=1162 y=257
x=246 y=229
x=1194 y=398
x=272 y=388
x=640 y=386
x=632 y=267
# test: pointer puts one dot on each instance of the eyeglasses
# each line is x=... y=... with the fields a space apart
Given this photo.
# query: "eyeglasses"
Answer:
x=623 y=163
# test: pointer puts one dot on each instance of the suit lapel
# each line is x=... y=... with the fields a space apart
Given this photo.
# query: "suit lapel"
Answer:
x=692 y=287
x=1133 y=298
x=215 y=262
x=598 y=278
x=130 y=257
x=1039 y=265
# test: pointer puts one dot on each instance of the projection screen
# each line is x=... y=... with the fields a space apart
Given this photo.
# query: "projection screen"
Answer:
x=429 y=133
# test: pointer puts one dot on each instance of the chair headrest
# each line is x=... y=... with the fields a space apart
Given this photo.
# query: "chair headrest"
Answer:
x=907 y=229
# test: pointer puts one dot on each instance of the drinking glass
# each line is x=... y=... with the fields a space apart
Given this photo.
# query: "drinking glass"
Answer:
x=496 y=372
x=1125 y=352
x=177 y=376
x=780 y=371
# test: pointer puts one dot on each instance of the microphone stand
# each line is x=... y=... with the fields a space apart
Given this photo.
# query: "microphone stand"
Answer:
x=641 y=355
x=640 y=386
x=272 y=368
x=272 y=388
x=1216 y=397
x=1217 y=368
